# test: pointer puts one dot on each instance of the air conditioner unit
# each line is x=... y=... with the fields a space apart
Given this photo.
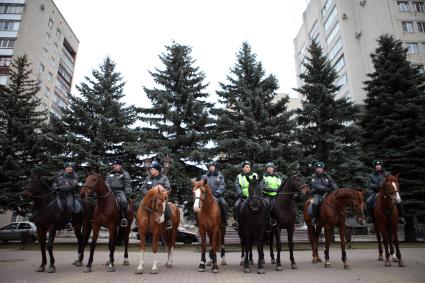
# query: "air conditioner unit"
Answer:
x=358 y=34
x=344 y=16
x=362 y=2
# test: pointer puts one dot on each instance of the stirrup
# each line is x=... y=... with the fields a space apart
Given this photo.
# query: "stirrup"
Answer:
x=235 y=226
x=273 y=222
x=68 y=227
x=168 y=225
x=124 y=223
x=314 y=221
x=401 y=220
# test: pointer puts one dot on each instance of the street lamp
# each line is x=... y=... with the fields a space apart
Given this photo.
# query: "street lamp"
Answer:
x=167 y=164
x=147 y=164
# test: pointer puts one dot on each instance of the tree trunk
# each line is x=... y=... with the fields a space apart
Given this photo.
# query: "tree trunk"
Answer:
x=409 y=229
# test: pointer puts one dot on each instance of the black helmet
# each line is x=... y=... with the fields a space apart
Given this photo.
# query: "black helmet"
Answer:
x=246 y=162
x=117 y=161
x=319 y=164
x=156 y=166
x=377 y=162
x=269 y=164
x=68 y=164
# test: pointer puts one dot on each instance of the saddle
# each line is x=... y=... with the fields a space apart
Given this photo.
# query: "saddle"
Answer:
x=63 y=207
x=310 y=205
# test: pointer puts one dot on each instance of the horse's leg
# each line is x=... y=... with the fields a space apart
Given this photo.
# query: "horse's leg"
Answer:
x=86 y=236
x=247 y=246
x=111 y=245
x=78 y=234
x=312 y=238
x=291 y=246
x=214 y=248
x=378 y=237
x=142 y=244
x=155 y=240
x=343 y=243
x=171 y=245
x=223 y=251
x=203 y=235
x=242 y=262
x=397 y=248
x=210 y=238
x=260 y=264
x=96 y=229
x=251 y=261
x=279 y=266
x=52 y=235
x=385 y=240
x=126 y=239
x=42 y=240
x=328 y=236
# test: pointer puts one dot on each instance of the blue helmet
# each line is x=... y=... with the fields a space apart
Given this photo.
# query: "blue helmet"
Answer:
x=156 y=166
x=319 y=164
x=68 y=164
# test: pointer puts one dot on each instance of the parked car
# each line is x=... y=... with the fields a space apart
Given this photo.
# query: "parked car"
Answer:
x=183 y=236
x=19 y=231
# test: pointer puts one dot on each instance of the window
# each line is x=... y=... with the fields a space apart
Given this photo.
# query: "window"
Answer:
x=302 y=50
x=49 y=77
x=24 y=226
x=419 y=6
x=339 y=64
x=407 y=26
x=58 y=32
x=64 y=74
x=423 y=47
x=403 y=6
x=332 y=34
x=50 y=24
x=342 y=81
x=421 y=26
x=412 y=47
x=5 y=61
x=326 y=7
x=44 y=52
x=7 y=42
x=330 y=19
x=62 y=87
x=419 y=68
x=59 y=102
x=335 y=49
x=9 y=25
x=56 y=47
x=11 y=226
x=314 y=32
x=11 y=9
x=48 y=38
x=47 y=92
x=52 y=61
x=41 y=68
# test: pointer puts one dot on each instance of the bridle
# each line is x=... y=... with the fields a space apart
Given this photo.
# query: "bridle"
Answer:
x=91 y=189
x=357 y=212
x=298 y=189
x=153 y=208
x=204 y=195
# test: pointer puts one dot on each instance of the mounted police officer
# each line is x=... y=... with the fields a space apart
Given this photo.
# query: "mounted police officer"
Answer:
x=270 y=184
x=65 y=183
x=376 y=179
x=156 y=178
x=241 y=187
x=216 y=182
x=321 y=183
x=120 y=183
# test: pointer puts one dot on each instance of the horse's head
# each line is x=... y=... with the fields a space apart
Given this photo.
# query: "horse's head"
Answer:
x=255 y=193
x=201 y=191
x=93 y=180
x=358 y=205
x=390 y=188
x=35 y=185
x=297 y=183
x=155 y=201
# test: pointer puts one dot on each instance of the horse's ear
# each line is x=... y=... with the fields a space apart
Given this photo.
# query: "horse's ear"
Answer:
x=193 y=181
x=204 y=181
x=397 y=175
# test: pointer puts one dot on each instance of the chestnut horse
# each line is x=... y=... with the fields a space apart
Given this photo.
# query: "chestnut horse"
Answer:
x=49 y=217
x=333 y=212
x=106 y=214
x=209 y=221
x=386 y=218
x=283 y=211
x=150 y=219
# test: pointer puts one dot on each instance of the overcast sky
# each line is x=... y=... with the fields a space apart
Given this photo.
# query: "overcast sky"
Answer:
x=134 y=33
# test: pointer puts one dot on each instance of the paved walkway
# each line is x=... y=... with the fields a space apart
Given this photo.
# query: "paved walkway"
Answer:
x=19 y=266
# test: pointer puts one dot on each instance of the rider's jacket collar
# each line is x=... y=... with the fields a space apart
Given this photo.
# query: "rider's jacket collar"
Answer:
x=212 y=173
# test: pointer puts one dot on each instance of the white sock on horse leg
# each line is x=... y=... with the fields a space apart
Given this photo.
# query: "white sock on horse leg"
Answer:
x=142 y=259
x=155 y=262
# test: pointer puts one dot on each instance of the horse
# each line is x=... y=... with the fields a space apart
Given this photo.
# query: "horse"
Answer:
x=283 y=211
x=106 y=214
x=386 y=218
x=209 y=221
x=252 y=219
x=150 y=219
x=332 y=212
x=50 y=217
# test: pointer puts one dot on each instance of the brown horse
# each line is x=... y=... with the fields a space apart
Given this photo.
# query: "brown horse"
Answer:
x=209 y=221
x=386 y=218
x=49 y=217
x=150 y=219
x=333 y=212
x=106 y=214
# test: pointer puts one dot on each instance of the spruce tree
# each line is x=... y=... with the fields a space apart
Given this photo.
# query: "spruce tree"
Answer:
x=252 y=123
x=327 y=129
x=394 y=123
x=178 y=121
x=20 y=133
x=96 y=128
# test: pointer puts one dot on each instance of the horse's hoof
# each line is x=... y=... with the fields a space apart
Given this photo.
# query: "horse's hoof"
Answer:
x=107 y=263
x=209 y=263
x=154 y=271
x=78 y=263
x=41 y=268
x=395 y=259
x=387 y=263
x=138 y=271
x=51 y=269
x=327 y=265
x=263 y=261
x=87 y=269
x=273 y=261
x=380 y=258
x=347 y=265
x=201 y=269
x=251 y=262
x=279 y=267
x=247 y=270
x=294 y=266
x=126 y=262
x=260 y=271
x=223 y=261
x=401 y=263
x=110 y=268
x=215 y=269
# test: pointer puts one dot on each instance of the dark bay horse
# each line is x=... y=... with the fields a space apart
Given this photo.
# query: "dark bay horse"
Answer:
x=150 y=219
x=49 y=217
x=386 y=218
x=283 y=211
x=106 y=214
x=333 y=213
x=253 y=219
x=209 y=221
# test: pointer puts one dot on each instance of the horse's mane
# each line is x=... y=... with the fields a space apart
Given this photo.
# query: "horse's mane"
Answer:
x=202 y=183
x=344 y=190
x=152 y=192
